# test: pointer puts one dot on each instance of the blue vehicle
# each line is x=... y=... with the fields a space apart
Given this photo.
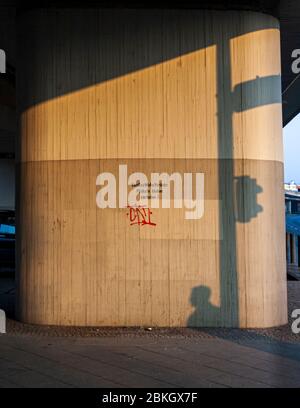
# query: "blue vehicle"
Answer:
x=7 y=243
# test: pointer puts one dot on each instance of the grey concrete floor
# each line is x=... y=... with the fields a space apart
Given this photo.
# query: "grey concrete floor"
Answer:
x=37 y=356
x=27 y=361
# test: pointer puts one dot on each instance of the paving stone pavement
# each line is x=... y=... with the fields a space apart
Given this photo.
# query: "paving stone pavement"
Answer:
x=144 y=362
x=34 y=356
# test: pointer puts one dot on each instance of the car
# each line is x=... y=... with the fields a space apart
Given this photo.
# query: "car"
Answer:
x=7 y=243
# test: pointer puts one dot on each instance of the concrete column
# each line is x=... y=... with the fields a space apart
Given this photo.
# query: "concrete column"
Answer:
x=181 y=92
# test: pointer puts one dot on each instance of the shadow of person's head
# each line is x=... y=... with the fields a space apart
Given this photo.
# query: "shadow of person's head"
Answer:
x=205 y=314
x=200 y=295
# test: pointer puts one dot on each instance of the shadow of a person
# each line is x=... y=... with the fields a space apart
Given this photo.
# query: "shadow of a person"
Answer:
x=205 y=313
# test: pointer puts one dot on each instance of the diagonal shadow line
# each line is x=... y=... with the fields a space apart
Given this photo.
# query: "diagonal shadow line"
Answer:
x=127 y=39
x=63 y=30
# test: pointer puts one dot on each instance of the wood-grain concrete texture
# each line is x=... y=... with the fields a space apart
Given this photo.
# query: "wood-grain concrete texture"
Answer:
x=159 y=91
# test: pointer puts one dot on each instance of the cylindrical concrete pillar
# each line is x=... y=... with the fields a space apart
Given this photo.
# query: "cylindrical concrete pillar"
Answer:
x=106 y=94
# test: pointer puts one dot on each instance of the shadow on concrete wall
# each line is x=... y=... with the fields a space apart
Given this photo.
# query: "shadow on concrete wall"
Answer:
x=123 y=51
x=237 y=194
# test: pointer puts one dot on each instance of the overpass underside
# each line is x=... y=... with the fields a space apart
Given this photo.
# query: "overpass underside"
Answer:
x=106 y=99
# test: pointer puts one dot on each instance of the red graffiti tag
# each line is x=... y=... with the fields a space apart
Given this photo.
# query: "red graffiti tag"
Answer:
x=140 y=216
